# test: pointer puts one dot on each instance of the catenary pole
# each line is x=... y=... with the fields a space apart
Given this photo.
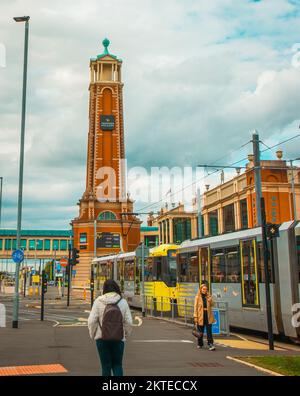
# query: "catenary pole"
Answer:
x=257 y=176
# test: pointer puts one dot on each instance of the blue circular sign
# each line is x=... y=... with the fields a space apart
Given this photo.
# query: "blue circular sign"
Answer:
x=18 y=256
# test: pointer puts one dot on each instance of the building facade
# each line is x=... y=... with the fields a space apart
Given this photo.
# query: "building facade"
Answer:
x=231 y=205
x=39 y=247
x=150 y=236
x=103 y=225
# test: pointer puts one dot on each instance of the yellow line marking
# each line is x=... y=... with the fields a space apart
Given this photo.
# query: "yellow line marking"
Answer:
x=246 y=344
x=36 y=369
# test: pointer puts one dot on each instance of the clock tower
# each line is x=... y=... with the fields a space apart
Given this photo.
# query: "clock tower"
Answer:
x=102 y=226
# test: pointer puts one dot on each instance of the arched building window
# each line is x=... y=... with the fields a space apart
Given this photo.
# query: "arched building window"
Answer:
x=107 y=216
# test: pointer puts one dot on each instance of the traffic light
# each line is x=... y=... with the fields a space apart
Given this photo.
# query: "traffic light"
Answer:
x=75 y=256
x=272 y=230
x=44 y=282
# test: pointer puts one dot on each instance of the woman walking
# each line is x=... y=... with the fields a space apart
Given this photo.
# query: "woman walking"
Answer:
x=203 y=316
x=109 y=323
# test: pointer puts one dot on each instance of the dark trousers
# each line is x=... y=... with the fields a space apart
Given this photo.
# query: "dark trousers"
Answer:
x=208 y=327
x=111 y=356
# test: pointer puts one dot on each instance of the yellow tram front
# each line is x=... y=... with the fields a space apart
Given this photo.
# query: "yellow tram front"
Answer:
x=161 y=277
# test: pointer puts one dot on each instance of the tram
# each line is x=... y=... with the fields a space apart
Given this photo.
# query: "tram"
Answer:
x=233 y=268
x=125 y=268
x=230 y=264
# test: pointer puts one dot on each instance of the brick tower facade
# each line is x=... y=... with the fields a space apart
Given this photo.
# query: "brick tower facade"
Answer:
x=102 y=226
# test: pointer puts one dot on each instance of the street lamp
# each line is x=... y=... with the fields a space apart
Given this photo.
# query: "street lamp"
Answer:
x=293 y=188
x=20 y=195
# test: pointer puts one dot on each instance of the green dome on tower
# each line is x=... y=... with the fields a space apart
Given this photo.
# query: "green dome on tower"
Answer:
x=106 y=43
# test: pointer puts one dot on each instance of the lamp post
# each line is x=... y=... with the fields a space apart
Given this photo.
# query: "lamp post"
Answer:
x=20 y=195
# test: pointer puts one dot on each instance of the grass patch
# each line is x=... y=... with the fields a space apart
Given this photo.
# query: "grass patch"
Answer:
x=285 y=365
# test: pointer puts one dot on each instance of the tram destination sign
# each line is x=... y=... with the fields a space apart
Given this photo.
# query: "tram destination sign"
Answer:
x=107 y=122
x=108 y=240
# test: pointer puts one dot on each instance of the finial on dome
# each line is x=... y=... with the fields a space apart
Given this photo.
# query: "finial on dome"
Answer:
x=106 y=43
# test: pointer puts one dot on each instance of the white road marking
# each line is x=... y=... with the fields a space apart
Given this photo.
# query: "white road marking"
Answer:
x=173 y=341
x=139 y=320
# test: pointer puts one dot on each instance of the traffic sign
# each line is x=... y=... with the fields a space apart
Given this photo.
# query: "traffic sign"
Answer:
x=18 y=256
x=63 y=262
x=36 y=279
x=216 y=327
x=272 y=230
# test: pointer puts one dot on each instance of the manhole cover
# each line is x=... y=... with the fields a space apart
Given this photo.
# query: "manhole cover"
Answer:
x=206 y=364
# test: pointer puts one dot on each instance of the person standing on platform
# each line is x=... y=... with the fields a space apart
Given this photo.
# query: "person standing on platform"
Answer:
x=109 y=323
x=203 y=316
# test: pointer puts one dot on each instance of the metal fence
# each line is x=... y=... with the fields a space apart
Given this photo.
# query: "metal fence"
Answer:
x=182 y=311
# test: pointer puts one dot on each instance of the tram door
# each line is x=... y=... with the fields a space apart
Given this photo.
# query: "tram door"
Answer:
x=204 y=266
x=249 y=279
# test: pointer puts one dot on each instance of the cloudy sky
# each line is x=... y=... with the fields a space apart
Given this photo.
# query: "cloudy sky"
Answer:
x=199 y=77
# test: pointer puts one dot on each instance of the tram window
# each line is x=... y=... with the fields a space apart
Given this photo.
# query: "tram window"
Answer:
x=183 y=267
x=129 y=270
x=218 y=266
x=138 y=270
x=149 y=269
x=106 y=270
x=102 y=269
x=158 y=263
x=120 y=270
x=171 y=271
x=193 y=268
x=188 y=267
x=250 y=282
x=233 y=267
x=261 y=265
x=204 y=264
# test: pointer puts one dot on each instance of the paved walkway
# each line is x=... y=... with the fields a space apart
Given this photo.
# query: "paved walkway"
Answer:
x=155 y=348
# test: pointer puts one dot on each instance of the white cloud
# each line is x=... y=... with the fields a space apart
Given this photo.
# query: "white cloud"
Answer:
x=199 y=77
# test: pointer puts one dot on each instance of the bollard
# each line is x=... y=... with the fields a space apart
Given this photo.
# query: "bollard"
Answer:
x=30 y=291
x=172 y=308
x=84 y=293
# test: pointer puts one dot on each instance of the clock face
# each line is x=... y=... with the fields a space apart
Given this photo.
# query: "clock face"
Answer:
x=107 y=122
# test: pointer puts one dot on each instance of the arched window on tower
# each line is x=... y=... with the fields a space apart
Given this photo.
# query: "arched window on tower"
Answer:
x=107 y=216
x=107 y=102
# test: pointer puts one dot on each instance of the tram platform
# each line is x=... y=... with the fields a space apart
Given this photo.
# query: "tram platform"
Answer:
x=156 y=347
